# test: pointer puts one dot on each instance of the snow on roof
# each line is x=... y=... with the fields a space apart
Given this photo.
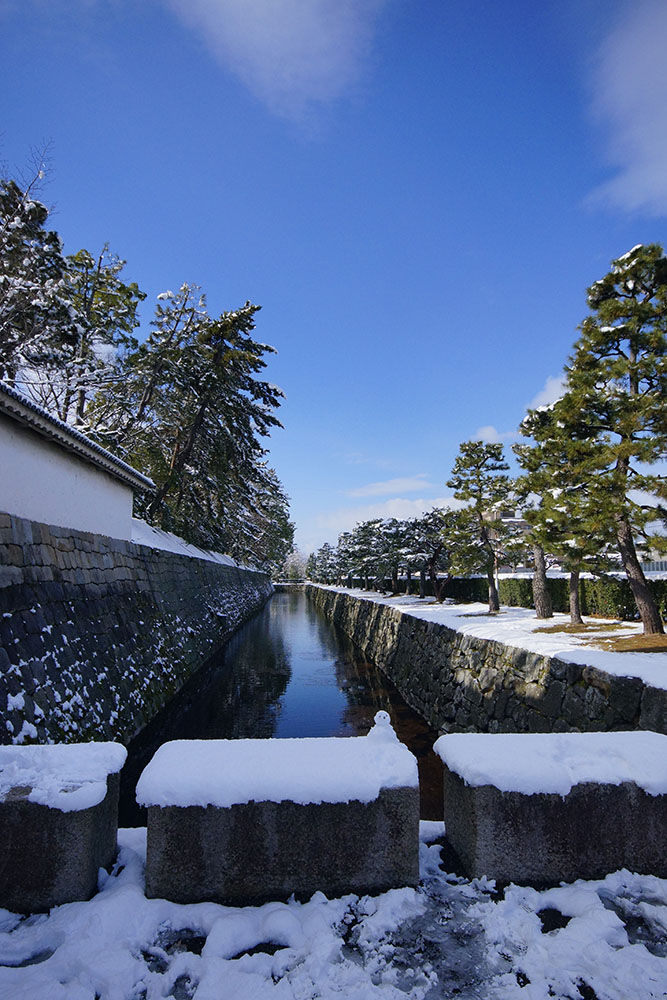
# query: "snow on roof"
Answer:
x=24 y=411
x=64 y=776
x=224 y=773
x=555 y=762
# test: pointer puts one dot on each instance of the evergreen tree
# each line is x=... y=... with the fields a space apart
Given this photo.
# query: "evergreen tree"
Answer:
x=617 y=387
x=190 y=412
x=435 y=535
x=364 y=550
x=567 y=521
x=38 y=321
x=479 y=479
x=311 y=567
x=107 y=311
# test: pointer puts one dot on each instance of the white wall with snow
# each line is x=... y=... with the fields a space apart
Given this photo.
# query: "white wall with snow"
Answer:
x=43 y=482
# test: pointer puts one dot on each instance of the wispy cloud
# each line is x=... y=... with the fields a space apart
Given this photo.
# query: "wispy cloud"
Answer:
x=327 y=525
x=491 y=435
x=629 y=88
x=291 y=54
x=404 y=484
x=361 y=458
x=553 y=389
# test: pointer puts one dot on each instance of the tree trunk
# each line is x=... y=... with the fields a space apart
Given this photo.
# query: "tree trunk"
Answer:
x=408 y=581
x=575 y=609
x=494 y=603
x=646 y=605
x=541 y=596
x=394 y=580
x=422 y=583
x=437 y=584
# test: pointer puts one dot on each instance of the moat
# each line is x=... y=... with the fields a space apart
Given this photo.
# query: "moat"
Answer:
x=286 y=673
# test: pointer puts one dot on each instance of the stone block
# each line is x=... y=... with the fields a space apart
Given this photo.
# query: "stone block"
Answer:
x=58 y=822
x=269 y=846
x=540 y=809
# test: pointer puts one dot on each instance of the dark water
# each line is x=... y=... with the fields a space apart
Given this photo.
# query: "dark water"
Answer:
x=288 y=672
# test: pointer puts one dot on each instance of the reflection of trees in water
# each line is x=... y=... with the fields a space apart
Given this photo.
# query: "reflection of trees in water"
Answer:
x=367 y=691
x=233 y=696
x=238 y=695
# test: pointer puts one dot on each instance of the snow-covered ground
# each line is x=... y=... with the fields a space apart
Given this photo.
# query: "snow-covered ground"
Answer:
x=520 y=628
x=448 y=938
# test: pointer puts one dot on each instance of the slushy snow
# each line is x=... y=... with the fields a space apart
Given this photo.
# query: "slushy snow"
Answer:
x=65 y=776
x=224 y=773
x=555 y=762
x=448 y=938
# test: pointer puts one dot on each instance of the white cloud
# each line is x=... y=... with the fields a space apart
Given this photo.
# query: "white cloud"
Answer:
x=327 y=526
x=405 y=484
x=629 y=88
x=289 y=53
x=553 y=389
x=491 y=435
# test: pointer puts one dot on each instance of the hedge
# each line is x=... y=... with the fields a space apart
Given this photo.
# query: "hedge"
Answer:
x=607 y=596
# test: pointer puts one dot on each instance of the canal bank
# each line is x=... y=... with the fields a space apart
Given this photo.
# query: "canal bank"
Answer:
x=288 y=672
x=461 y=682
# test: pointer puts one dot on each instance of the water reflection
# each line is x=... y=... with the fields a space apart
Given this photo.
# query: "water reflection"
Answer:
x=287 y=673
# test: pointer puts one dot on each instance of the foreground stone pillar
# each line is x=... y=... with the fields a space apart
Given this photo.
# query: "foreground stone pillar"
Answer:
x=58 y=821
x=545 y=808
x=244 y=821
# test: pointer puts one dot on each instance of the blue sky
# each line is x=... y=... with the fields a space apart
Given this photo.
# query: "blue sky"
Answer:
x=417 y=193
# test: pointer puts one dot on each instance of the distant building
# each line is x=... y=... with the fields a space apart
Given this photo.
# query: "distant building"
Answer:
x=53 y=473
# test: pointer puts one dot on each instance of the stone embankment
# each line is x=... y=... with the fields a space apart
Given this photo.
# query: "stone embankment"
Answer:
x=97 y=634
x=463 y=683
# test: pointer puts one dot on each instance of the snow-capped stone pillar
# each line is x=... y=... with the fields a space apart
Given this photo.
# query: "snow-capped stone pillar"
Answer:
x=249 y=820
x=58 y=821
x=550 y=807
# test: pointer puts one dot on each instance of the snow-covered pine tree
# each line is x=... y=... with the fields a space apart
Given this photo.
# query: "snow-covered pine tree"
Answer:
x=434 y=541
x=567 y=521
x=107 y=310
x=479 y=479
x=616 y=399
x=38 y=321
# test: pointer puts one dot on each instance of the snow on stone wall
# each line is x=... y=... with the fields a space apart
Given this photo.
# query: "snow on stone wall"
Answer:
x=97 y=633
x=462 y=682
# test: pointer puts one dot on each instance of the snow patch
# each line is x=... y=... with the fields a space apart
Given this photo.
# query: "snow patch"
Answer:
x=554 y=762
x=65 y=776
x=224 y=773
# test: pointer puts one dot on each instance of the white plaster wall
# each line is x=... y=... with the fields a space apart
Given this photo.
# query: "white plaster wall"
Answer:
x=41 y=481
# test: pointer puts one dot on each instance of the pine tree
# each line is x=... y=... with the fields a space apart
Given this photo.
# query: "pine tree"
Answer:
x=617 y=387
x=190 y=411
x=38 y=321
x=561 y=472
x=479 y=479
x=107 y=311
x=435 y=541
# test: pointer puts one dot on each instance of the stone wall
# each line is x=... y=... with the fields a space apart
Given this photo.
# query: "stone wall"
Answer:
x=462 y=683
x=96 y=633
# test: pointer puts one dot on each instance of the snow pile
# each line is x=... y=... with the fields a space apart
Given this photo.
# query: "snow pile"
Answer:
x=224 y=773
x=156 y=538
x=518 y=627
x=604 y=939
x=554 y=762
x=450 y=937
x=68 y=777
